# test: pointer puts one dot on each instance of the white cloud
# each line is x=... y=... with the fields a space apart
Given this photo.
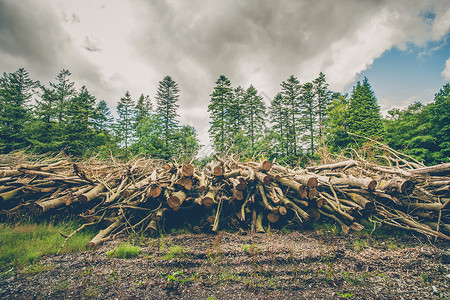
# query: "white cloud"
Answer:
x=113 y=46
x=446 y=72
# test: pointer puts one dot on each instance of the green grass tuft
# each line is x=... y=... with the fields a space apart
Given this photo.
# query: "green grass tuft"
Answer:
x=125 y=250
x=24 y=243
x=175 y=251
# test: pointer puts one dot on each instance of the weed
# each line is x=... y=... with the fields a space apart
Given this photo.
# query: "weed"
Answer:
x=62 y=286
x=175 y=277
x=246 y=248
x=352 y=279
x=125 y=250
x=175 y=252
x=346 y=295
x=325 y=227
x=359 y=245
x=425 y=277
x=392 y=246
x=35 y=269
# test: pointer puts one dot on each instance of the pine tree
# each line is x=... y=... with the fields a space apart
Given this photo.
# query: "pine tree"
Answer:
x=337 y=123
x=46 y=134
x=143 y=108
x=125 y=122
x=308 y=106
x=167 y=98
x=235 y=119
x=279 y=118
x=291 y=92
x=218 y=108
x=364 y=112
x=102 y=119
x=79 y=128
x=16 y=90
x=64 y=91
x=254 y=111
x=323 y=99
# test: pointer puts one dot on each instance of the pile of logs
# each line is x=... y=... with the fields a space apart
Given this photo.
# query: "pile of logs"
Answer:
x=152 y=196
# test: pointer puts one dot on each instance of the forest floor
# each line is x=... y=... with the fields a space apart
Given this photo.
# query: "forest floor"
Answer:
x=297 y=265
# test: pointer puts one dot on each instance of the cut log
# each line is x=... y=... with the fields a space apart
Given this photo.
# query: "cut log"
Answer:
x=307 y=180
x=210 y=198
x=102 y=236
x=258 y=224
x=397 y=185
x=365 y=203
x=299 y=188
x=152 y=227
x=263 y=178
x=264 y=166
x=187 y=170
x=6 y=197
x=364 y=183
x=176 y=199
x=92 y=194
x=342 y=164
x=438 y=169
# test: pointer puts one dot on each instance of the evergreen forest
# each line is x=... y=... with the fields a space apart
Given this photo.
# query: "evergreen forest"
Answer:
x=299 y=122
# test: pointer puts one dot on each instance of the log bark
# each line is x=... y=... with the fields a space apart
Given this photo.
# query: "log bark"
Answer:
x=397 y=185
x=365 y=203
x=102 y=236
x=176 y=199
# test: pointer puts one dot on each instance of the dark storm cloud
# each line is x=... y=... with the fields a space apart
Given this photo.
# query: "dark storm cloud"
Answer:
x=32 y=36
x=241 y=38
x=28 y=35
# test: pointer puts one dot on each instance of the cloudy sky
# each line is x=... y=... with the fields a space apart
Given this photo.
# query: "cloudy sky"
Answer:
x=111 y=46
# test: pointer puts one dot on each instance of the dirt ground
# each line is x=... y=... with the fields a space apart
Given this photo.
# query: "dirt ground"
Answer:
x=296 y=265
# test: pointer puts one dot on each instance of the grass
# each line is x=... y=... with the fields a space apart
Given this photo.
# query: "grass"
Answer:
x=359 y=245
x=125 y=250
x=23 y=244
x=174 y=251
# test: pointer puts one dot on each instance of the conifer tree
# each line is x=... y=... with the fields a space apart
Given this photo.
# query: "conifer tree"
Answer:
x=323 y=99
x=279 y=118
x=291 y=92
x=16 y=90
x=64 y=91
x=79 y=130
x=219 y=112
x=254 y=111
x=102 y=119
x=125 y=122
x=364 y=112
x=143 y=108
x=167 y=98
x=308 y=106
x=235 y=114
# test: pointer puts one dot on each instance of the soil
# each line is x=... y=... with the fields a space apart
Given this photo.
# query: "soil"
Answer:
x=297 y=265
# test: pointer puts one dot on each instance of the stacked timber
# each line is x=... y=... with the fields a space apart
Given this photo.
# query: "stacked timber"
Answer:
x=151 y=196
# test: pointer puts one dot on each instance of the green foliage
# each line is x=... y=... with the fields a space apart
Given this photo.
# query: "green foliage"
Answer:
x=219 y=110
x=254 y=111
x=24 y=243
x=364 y=112
x=124 y=127
x=167 y=98
x=308 y=105
x=16 y=90
x=78 y=125
x=291 y=93
x=422 y=131
x=175 y=252
x=125 y=251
